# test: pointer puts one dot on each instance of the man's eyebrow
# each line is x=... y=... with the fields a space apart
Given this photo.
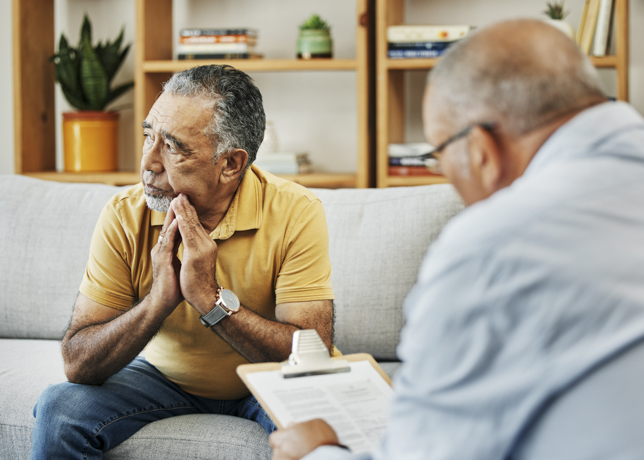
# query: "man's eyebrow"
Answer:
x=177 y=142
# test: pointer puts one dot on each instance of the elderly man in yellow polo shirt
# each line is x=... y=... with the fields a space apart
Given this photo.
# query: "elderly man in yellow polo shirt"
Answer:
x=208 y=263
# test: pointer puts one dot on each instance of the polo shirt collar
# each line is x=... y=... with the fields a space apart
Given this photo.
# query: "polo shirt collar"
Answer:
x=244 y=213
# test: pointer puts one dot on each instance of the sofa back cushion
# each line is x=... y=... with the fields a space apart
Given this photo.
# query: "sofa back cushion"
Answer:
x=378 y=238
x=45 y=232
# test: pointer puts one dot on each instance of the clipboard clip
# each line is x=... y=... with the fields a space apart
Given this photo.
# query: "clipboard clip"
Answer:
x=309 y=356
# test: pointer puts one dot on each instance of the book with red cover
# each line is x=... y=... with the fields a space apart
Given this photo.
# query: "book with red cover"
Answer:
x=411 y=171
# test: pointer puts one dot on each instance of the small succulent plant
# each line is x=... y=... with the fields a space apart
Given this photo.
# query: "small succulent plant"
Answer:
x=555 y=10
x=85 y=73
x=315 y=22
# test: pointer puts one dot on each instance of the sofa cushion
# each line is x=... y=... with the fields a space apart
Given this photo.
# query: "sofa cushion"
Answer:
x=378 y=238
x=46 y=229
x=28 y=366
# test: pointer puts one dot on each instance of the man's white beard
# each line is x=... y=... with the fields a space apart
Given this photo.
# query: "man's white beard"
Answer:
x=158 y=203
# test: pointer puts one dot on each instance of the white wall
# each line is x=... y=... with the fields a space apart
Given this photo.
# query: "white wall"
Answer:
x=313 y=112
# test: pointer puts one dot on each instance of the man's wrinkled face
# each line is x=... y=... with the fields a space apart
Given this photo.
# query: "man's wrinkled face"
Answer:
x=454 y=159
x=177 y=155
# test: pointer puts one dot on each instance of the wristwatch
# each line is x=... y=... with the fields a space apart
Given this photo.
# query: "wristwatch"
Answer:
x=227 y=303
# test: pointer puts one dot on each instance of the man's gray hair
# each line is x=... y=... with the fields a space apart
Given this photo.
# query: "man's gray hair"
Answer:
x=238 y=120
x=485 y=78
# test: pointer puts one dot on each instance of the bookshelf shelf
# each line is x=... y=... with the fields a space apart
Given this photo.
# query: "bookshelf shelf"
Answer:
x=390 y=84
x=410 y=64
x=403 y=181
x=110 y=178
x=256 y=65
x=319 y=180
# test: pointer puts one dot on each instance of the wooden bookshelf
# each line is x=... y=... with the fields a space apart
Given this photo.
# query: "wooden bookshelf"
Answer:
x=34 y=116
x=390 y=86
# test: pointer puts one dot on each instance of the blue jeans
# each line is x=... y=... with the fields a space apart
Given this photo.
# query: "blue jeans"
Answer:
x=81 y=421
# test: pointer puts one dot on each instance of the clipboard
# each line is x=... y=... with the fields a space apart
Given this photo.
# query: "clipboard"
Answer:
x=355 y=381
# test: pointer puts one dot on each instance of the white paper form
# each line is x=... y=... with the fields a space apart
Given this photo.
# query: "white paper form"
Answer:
x=355 y=403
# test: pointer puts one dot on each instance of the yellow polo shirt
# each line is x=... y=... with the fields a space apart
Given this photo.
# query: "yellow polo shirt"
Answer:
x=273 y=248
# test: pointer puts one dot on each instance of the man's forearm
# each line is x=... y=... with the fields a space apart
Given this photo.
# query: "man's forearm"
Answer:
x=97 y=351
x=256 y=338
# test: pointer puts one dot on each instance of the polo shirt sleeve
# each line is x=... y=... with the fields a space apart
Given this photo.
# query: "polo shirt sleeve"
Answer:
x=107 y=278
x=305 y=274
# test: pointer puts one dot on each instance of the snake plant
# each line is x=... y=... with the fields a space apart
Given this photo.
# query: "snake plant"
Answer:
x=85 y=73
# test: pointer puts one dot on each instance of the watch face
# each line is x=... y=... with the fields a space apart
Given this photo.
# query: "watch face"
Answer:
x=229 y=299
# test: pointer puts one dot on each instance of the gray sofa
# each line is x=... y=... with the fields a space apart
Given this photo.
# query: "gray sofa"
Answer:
x=378 y=238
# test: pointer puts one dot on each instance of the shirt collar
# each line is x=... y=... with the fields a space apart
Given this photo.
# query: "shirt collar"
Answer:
x=585 y=130
x=244 y=213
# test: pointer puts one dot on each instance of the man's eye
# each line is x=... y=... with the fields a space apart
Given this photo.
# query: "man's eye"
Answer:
x=170 y=147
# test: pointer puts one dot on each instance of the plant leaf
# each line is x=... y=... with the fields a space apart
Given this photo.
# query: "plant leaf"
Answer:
x=119 y=91
x=66 y=71
x=86 y=30
x=74 y=100
x=93 y=77
x=110 y=56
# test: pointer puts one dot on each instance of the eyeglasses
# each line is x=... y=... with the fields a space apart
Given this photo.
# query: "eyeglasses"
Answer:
x=431 y=159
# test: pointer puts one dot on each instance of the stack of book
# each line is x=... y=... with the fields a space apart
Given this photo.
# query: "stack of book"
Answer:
x=284 y=162
x=217 y=44
x=404 y=159
x=594 y=31
x=404 y=42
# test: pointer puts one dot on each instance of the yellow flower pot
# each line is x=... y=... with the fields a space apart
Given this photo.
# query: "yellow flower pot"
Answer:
x=90 y=141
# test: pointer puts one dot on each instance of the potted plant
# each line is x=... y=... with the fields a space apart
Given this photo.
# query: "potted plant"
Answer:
x=314 y=40
x=85 y=74
x=556 y=17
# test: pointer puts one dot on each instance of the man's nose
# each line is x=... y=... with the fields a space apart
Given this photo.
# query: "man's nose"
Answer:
x=151 y=159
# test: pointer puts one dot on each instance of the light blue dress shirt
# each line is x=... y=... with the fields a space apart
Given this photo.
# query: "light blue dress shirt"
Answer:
x=522 y=295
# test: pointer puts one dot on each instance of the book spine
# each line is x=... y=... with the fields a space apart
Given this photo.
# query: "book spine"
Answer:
x=406 y=161
x=410 y=54
x=410 y=171
x=589 y=26
x=196 y=39
x=197 y=32
x=187 y=56
x=419 y=46
x=396 y=34
x=603 y=25
x=212 y=48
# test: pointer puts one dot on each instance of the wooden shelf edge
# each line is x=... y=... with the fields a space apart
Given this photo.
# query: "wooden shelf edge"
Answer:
x=254 y=65
x=604 y=61
x=410 y=181
x=109 y=178
x=323 y=180
x=410 y=64
x=314 y=180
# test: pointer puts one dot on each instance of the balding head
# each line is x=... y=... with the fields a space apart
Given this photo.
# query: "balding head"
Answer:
x=518 y=73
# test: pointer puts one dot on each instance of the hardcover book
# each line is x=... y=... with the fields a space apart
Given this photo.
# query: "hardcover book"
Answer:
x=411 y=54
x=223 y=31
x=188 y=56
x=197 y=39
x=407 y=33
x=213 y=48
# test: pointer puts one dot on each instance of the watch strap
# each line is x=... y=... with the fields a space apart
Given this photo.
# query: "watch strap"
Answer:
x=214 y=316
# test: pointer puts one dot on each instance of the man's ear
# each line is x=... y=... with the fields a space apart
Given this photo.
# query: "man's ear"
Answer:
x=485 y=159
x=234 y=165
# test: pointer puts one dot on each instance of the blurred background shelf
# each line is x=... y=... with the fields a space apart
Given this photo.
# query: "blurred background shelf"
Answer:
x=255 y=65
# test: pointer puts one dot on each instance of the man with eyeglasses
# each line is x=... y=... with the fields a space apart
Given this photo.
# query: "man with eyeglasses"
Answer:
x=540 y=280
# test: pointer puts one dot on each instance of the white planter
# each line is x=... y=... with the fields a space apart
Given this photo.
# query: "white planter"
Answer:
x=563 y=26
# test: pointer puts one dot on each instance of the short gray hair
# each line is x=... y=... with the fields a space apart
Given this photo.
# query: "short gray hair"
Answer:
x=521 y=84
x=238 y=120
